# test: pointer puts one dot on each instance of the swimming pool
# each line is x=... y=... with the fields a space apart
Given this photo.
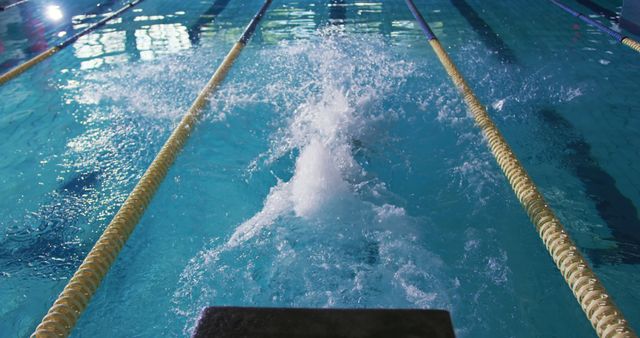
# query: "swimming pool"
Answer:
x=336 y=166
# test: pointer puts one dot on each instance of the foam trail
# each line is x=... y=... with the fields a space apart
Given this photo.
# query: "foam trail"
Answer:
x=324 y=237
x=325 y=157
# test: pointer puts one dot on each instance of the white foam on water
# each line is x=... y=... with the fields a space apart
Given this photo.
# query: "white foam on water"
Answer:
x=319 y=239
x=512 y=94
x=128 y=111
x=317 y=180
x=498 y=105
x=325 y=160
x=163 y=88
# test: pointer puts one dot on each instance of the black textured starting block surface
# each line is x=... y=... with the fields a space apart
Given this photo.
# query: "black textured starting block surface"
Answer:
x=284 y=323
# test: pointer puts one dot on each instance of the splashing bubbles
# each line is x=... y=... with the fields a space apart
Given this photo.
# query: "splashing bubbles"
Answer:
x=319 y=240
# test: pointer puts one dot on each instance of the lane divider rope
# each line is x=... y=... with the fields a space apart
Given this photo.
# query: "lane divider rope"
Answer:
x=625 y=40
x=9 y=6
x=66 y=310
x=604 y=315
x=49 y=52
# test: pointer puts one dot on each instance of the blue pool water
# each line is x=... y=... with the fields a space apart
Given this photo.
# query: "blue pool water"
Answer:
x=336 y=167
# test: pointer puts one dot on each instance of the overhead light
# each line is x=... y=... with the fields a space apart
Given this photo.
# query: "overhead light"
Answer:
x=54 y=13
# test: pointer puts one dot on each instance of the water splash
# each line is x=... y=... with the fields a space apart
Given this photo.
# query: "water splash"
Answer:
x=322 y=238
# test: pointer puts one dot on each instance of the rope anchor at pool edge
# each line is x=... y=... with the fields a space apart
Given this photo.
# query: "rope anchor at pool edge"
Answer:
x=633 y=44
x=66 y=310
x=49 y=52
x=606 y=318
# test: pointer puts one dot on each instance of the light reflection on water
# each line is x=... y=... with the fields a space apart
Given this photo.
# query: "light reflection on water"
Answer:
x=147 y=31
x=112 y=97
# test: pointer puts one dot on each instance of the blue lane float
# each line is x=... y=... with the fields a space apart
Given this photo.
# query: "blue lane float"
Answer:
x=617 y=36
